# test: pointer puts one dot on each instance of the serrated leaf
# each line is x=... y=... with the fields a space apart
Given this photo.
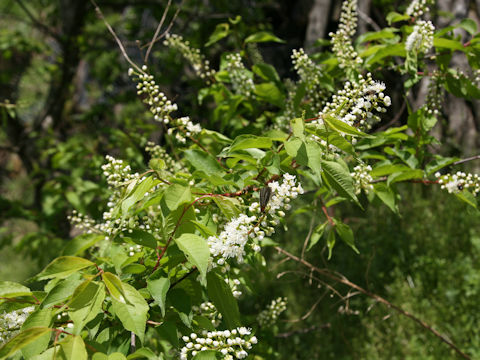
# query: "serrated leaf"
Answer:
x=64 y=266
x=114 y=286
x=343 y=127
x=133 y=312
x=22 y=339
x=86 y=304
x=9 y=289
x=139 y=193
x=141 y=237
x=202 y=161
x=73 y=348
x=339 y=178
x=158 y=288
x=250 y=141
x=196 y=251
x=230 y=207
x=39 y=318
x=221 y=295
x=176 y=195
x=263 y=36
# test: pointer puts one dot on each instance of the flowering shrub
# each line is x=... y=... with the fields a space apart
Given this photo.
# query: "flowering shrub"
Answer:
x=162 y=273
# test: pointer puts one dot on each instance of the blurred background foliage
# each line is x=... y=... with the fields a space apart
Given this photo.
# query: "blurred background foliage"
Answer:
x=66 y=101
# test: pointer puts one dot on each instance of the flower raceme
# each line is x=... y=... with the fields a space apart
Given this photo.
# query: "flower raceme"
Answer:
x=456 y=183
x=421 y=38
x=233 y=240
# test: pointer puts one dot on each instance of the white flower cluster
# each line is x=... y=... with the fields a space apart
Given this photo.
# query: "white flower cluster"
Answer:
x=455 y=183
x=158 y=152
x=421 y=38
x=208 y=310
x=342 y=39
x=242 y=82
x=117 y=172
x=435 y=94
x=270 y=315
x=231 y=242
x=192 y=55
x=159 y=105
x=362 y=178
x=232 y=344
x=357 y=101
x=10 y=323
x=417 y=8
x=310 y=75
x=186 y=127
x=81 y=221
x=234 y=286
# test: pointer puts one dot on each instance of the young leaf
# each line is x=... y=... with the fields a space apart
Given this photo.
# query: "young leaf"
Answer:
x=86 y=303
x=250 y=141
x=64 y=266
x=176 y=195
x=343 y=127
x=196 y=251
x=221 y=30
x=263 y=36
x=346 y=234
x=330 y=242
x=10 y=289
x=114 y=286
x=339 y=178
x=73 y=348
x=158 y=289
x=133 y=312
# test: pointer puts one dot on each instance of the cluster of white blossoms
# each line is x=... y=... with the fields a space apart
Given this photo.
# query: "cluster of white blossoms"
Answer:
x=231 y=242
x=455 y=183
x=10 y=323
x=362 y=178
x=356 y=102
x=232 y=344
x=270 y=315
x=421 y=38
x=342 y=39
x=435 y=95
x=159 y=105
x=242 y=82
x=310 y=75
x=208 y=310
x=187 y=129
x=192 y=55
x=417 y=8
x=158 y=152
x=117 y=172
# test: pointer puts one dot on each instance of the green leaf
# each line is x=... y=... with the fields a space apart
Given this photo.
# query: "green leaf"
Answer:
x=221 y=295
x=114 y=286
x=158 y=288
x=316 y=235
x=176 y=195
x=202 y=161
x=230 y=207
x=39 y=318
x=156 y=164
x=73 y=348
x=22 y=339
x=81 y=243
x=10 y=289
x=64 y=266
x=141 y=237
x=298 y=128
x=405 y=175
x=133 y=312
x=139 y=193
x=266 y=72
x=388 y=169
x=206 y=355
x=343 y=127
x=221 y=31
x=250 y=141
x=346 y=234
x=61 y=292
x=467 y=197
x=270 y=93
x=339 y=179
x=263 y=36
x=393 y=17
x=387 y=195
x=196 y=251
x=469 y=25
x=448 y=44
x=142 y=353
x=86 y=303
x=330 y=243
x=387 y=51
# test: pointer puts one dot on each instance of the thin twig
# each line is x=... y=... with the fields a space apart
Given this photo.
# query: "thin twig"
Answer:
x=119 y=42
x=466 y=160
x=345 y=281
x=157 y=31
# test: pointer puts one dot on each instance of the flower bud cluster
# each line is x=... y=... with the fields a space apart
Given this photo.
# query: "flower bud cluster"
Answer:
x=10 y=323
x=342 y=39
x=186 y=129
x=208 y=310
x=435 y=95
x=310 y=75
x=417 y=8
x=159 y=105
x=421 y=38
x=117 y=172
x=242 y=82
x=232 y=344
x=356 y=102
x=234 y=286
x=158 y=152
x=81 y=221
x=270 y=315
x=456 y=183
x=231 y=242
x=362 y=178
x=254 y=53
x=192 y=55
